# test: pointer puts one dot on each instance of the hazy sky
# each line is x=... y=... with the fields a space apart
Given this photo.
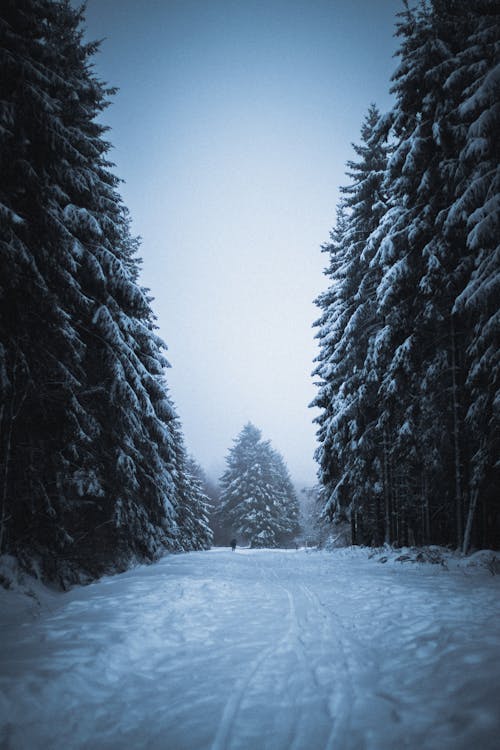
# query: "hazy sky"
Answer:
x=231 y=129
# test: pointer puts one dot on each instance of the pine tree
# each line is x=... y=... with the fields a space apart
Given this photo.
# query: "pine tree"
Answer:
x=350 y=321
x=287 y=499
x=330 y=369
x=89 y=434
x=409 y=251
x=474 y=217
x=255 y=497
x=43 y=422
x=193 y=505
x=409 y=361
x=430 y=257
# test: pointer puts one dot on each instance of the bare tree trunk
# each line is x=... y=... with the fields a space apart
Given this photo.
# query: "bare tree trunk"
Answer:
x=378 y=521
x=7 y=446
x=456 y=442
x=8 y=418
x=395 y=509
x=474 y=495
x=426 y=510
x=470 y=518
x=387 y=503
x=353 y=527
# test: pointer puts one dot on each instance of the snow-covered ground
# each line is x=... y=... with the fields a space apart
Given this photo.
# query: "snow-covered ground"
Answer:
x=257 y=650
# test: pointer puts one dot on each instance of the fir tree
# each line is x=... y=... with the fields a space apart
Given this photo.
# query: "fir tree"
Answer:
x=409 y=363
x=287 y=499
x=348 y=436
x=193 y=505
x=474 y=216
x=256 y=500
x=89 y=434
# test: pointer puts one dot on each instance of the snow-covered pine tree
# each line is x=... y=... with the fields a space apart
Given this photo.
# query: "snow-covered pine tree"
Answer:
x=210 y=489
x=42 y=419
x=314 y=525
x=473 y=85
x=193 y=505
x=432 y=367
x=87 y=425
x=428 y=256
x=252 y=500
x=349 y=451
x=201 y=505
x=330 y=325
x=287 y=498
x=408 y=247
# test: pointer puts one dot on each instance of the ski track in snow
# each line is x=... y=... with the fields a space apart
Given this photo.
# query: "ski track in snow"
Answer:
x=258 y=650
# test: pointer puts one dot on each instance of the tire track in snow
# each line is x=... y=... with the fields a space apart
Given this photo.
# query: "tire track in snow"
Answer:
x=302 y=646
x=242 y=686
x=340 y=703
x=296 y=633
x=291 y=688
x=232 y=706
x=264 y=651
x=337 y=707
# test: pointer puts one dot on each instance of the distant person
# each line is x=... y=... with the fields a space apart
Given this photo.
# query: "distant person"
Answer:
x=233 y=544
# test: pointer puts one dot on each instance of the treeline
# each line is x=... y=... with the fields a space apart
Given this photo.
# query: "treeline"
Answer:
x=409 y=330
x=94 y=472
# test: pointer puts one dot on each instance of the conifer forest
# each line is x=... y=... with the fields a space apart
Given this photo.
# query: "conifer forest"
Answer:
x=95 y=474
x=409 y=330
x=284 y=535
x=94 y=469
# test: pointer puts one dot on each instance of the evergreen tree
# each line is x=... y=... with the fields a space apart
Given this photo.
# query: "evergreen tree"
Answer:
x=314 y=525
x=210 y=491
x=88 y=431
x=287 y=499
x=256 y=496
x=429 y=258
x=193 y=506
x=349 y=454
x=474 y=216
x=409 y=361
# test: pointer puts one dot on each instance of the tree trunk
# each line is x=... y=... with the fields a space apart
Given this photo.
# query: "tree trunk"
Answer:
x=387 y=502
x=425 y=511
x=456 y=443
x=7 y=447
x=8 y=417
x=470 y=518
x=353 y=527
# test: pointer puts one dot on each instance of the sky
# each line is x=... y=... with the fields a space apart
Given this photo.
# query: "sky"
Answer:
x=231 y=130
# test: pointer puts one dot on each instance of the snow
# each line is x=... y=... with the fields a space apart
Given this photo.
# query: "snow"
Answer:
x=258 y=649
x=80 y=219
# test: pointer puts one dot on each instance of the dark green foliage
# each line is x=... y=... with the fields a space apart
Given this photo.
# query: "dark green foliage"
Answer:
x=257 y=503
x=409 y=360
x=89 y=441
x=193 y=505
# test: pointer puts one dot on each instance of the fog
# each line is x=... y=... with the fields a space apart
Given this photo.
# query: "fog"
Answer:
x=231 y=129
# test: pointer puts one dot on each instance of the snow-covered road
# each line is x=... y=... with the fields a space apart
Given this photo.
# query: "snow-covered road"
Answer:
x=259 y=650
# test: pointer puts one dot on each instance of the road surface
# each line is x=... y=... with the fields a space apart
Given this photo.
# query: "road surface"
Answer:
x=258 y=650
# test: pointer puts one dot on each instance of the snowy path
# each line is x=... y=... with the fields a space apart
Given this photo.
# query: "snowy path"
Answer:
x=261 y=650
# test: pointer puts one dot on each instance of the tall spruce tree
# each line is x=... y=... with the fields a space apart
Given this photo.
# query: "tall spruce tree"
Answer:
x=286 y=498
x=193 y=505
x=434 y=257
x=409 y=401
x=349 y=452
x=88 y=430
x=474 y=216
x=257 y=501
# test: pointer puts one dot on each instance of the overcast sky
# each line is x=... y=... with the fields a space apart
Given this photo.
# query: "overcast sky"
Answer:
x=231 y=129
